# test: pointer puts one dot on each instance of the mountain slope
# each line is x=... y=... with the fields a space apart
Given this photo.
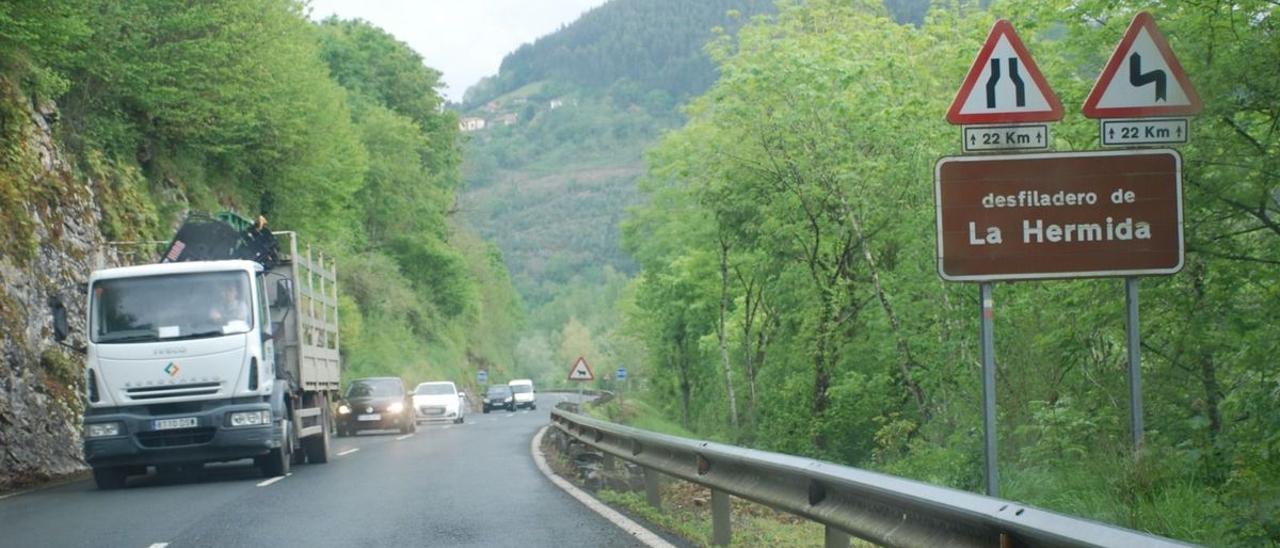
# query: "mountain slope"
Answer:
x=568 y=118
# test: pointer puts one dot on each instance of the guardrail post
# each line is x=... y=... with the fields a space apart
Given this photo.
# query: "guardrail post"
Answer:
x=721 y=529
x=835 y=538
x=651 y=488
x=610 y=463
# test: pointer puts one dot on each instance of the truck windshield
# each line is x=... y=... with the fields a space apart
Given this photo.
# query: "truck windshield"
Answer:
x=170 y=307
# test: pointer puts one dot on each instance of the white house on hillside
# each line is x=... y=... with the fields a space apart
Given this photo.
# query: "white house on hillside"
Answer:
x=471 y=123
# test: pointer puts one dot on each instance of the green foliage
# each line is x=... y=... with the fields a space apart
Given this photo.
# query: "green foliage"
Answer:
x=657 y=44
x=332 y=130
x=803 y=172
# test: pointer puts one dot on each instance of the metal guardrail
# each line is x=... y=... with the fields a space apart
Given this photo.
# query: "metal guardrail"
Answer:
x=876 y=507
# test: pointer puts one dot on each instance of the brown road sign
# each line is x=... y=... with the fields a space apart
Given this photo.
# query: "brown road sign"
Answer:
x=1059 y=215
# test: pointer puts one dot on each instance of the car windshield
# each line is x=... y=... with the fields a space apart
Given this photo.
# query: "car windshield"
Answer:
x=170 y=307
x=499 y=391
x=375 y=388
x=435 y=389
x=521 y=388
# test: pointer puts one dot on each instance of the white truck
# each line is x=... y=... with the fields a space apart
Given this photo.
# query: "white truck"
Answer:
x=192 y=361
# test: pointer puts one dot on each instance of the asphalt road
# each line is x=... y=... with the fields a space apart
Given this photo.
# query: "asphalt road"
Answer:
x=473 y=484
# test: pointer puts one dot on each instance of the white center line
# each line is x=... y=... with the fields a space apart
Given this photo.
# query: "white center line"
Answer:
x=349 y=451
x=404 y=437
x=265 y=483
x=162 y=544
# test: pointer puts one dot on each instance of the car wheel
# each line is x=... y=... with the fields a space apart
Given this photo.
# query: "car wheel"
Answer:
x=486 y=410
x=110 y=477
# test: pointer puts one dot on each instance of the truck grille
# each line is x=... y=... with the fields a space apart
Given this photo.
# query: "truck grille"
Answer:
x=169 y=391
x=176 y=438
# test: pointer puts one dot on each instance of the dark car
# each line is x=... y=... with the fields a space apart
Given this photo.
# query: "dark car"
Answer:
x=499 y=397
x=376 y=403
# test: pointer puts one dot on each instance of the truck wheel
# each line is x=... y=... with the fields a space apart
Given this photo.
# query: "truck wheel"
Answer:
x=110 y=477
x=276 y=463
x=317 y=447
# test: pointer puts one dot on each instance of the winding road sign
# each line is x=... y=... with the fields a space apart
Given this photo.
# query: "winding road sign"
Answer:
x=1143 y=78
x=1004 y=85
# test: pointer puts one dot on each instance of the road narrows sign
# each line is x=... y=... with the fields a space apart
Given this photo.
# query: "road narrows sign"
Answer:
x=1142 y=78
x=581 y=371
x=1004 y=85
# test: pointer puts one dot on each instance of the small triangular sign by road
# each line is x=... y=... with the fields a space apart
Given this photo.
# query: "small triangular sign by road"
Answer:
x=1004 y=85
x=581 y=371
x=1143 y=78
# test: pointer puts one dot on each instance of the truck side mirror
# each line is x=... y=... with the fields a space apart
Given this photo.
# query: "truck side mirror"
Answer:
x=59 y=312
x=284 y=293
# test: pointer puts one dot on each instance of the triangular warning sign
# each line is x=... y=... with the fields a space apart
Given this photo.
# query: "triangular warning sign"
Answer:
x=581 y=371
x=1004 y=85
x=1143 y=78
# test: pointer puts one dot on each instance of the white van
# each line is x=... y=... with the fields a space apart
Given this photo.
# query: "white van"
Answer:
x=522 y=390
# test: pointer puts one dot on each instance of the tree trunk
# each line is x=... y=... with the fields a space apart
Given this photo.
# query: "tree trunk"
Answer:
x=907 y=365
x=748 y=356
x=1208 y=369
x=720 y=332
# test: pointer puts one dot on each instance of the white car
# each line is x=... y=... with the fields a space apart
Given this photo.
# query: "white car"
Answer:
x=524 y=394
x=439 y=401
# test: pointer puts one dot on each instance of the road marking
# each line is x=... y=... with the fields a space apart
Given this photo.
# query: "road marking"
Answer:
x=265 y=483
x=649 y=538
x=446 y=427
x=161 y=544
x=348 y=451
x=404 y=437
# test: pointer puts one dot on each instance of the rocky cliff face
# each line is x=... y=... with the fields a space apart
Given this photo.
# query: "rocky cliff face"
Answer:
x=49 y=233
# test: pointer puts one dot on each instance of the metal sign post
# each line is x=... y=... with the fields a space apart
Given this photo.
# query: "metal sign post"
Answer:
x=989 y=387
x=1135 y=361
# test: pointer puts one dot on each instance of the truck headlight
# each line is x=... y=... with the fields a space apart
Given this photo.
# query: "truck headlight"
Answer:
x=249 y=418
x=102 y=429
x=344 y=410
x=395 y=407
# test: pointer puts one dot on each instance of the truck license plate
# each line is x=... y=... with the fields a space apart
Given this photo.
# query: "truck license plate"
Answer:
x=373 y=417
x=170 y=424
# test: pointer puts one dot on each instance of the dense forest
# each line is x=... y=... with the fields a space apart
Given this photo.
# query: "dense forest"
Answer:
x=788 y=296
x=652 y=44
x=332 y=129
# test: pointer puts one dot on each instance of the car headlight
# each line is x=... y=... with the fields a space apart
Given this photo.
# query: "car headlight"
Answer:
x=249 y=418
x=506 y=400
x=343 y=409
x=395 y=407
x=102 y=430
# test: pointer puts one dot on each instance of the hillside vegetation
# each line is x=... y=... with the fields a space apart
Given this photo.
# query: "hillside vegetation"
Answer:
x=332 y=129
x=788 y=296
x=551 y=183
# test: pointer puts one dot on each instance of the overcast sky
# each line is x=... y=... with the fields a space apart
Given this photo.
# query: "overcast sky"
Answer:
x=464 y=39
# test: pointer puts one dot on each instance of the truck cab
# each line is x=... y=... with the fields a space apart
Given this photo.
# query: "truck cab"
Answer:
x=208 y=360
x=181 y=363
